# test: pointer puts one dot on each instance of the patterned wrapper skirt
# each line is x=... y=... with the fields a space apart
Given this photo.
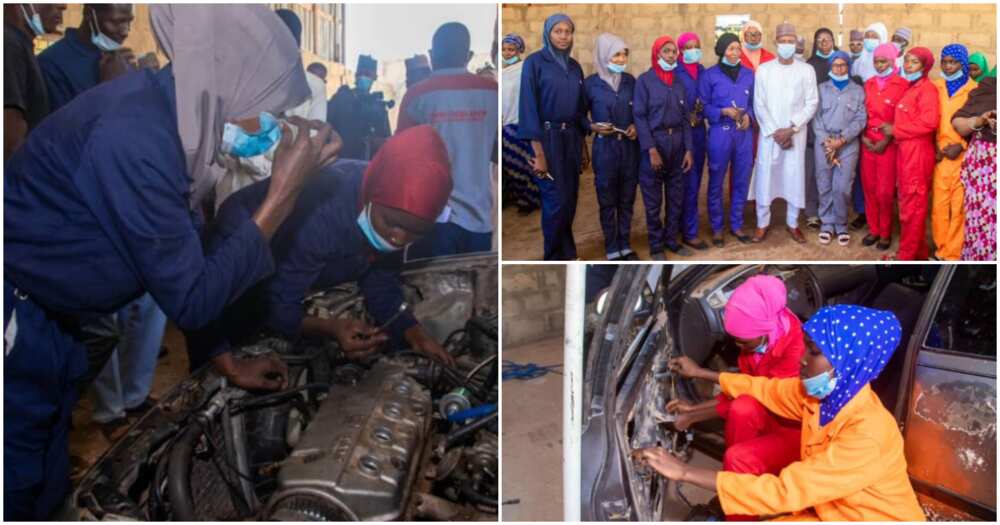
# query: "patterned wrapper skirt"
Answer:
x=979 y=176
x=519 y=188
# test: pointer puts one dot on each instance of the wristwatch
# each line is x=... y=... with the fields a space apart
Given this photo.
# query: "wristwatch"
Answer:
x=795 y=128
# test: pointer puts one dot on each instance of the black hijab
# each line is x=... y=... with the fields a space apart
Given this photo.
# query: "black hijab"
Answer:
x=721 y=44
x=820 y=64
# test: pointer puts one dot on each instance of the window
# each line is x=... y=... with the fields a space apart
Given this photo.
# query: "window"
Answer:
x=965 y=322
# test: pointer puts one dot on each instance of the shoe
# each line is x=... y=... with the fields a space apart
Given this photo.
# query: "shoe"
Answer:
x=140 y=409
x=115 y=429
x=859 y=222
x=884 y=244
x=658 y=256
x=630 y=256
x=813 y=223
x=742 y=237
x=869 y=240
x=796 y=235
x=696 y=243
x=678 y=249
x=759 y=235
x=843 y=239
x=718 y=240
x=825 y=238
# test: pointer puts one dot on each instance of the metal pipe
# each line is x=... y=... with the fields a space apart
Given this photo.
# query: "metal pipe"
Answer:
x=576 y=276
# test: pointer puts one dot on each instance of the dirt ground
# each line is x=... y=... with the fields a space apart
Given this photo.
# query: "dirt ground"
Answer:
x=522 y=235
x=86 y=440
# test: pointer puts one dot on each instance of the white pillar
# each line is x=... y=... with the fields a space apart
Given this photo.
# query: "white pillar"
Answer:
x=573 y=388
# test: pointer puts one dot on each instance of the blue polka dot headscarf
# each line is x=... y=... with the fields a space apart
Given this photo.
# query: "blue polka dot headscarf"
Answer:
x=515 y=40
x=960 y=53
x=858 y=342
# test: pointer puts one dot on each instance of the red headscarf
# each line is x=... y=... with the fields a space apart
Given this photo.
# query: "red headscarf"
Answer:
x=682 y=41
x=666 y=76
x=410 y=172
x=926 y=58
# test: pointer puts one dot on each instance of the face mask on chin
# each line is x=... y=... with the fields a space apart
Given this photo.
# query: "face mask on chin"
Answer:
x=99 y=39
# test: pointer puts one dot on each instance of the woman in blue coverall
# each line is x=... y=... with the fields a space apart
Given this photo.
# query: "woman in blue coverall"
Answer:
x=98 y=209
x=615 y=152
x=553 y=116
x=661 y=118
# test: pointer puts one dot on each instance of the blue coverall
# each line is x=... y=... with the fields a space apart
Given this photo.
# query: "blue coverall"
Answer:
x=699 y=135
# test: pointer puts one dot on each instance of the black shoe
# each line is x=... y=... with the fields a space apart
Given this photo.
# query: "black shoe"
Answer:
x=679 y=250
x=140 y=409
x=813 y=223
x=869 y=240
x=744 y=238
x=631 y=256
x=884 y=244
x=657 y=256
x=859 y=222
x=718 y=240
x=696 y=243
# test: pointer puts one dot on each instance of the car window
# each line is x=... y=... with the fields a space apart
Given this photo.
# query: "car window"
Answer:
x=965 y=321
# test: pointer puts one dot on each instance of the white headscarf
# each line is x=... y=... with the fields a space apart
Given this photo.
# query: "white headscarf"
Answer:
x=864 y=66
x=229 y=62
x=607 y=46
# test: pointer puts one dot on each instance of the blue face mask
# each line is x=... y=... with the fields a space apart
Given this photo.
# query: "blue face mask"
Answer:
x=615 y=68
x=820 y=386
x=823 y=55
x=376 y=240
x=786 y=51
x=888 y=71
x=665 y=66
x=692 y=56
x=871 y=44
x=99 y=39
x=838 y=78
x=725 y=60
x=954 y=76
x=364 y=83
x=854 y=55
x=34 y=21
x=913 y=76
x=752 y=47
x=512 y=60
x=762 y=348
x=239 y=143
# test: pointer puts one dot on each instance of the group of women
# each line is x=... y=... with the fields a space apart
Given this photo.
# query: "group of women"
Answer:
x=920 y=143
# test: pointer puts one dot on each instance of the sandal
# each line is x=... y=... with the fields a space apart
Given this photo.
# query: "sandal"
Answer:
x=825 y=238
x=813 y=223
x=759 y=235
x=844 y=239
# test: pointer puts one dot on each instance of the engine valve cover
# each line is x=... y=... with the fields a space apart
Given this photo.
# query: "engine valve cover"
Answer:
x=359 y=455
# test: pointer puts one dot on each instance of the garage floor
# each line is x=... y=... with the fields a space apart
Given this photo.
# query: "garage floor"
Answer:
x=86 y=441
x=531 y=441
x=522 y=235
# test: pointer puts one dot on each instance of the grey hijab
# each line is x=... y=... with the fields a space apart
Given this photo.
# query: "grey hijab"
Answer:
x=229 y=62
x=607 y=46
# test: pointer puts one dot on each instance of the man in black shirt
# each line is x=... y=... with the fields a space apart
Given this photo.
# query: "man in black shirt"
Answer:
x=25 y=101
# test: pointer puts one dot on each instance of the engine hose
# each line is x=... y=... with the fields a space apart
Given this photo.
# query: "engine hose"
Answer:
x=179 y=474
x=469 y=493
x=456 y=436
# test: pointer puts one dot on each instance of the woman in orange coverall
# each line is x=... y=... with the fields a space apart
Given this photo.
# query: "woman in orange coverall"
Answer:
x=918 y=115
x=852 y=467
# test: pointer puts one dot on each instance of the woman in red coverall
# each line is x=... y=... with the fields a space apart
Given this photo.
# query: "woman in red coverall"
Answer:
x=771 y=345
x=918 y=114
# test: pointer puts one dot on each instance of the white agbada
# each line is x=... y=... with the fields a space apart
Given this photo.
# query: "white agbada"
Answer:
x=783 y=95
x=511 y=92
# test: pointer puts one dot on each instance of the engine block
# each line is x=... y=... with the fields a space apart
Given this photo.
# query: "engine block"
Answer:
x=359 y=455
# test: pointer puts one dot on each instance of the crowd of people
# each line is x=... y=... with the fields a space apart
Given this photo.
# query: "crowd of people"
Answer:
x=214 y=192
x=871 y=129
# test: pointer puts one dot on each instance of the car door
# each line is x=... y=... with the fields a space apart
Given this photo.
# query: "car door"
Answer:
x=948 y=415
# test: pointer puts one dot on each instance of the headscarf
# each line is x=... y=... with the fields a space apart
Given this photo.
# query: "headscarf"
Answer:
x=410 y=172
x=667 y=77
x=816 y=37
x=926 y=58
x=229 y=62
x=979 y=59
x=863 y=66
x=960 y=53
x=840 y=85
x=515 y=40
x=981 y=100
x=752 y=54
x=293 y=23
x=992 y=73
x=607 y=46
x=889 y=52
x=561 y=57
x=858 y=342
x=692 y=69
x=721 y=44
x=758 y=307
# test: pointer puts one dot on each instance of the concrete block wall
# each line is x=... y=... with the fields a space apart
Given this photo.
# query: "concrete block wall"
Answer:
x=533 y=297
x=933 y=25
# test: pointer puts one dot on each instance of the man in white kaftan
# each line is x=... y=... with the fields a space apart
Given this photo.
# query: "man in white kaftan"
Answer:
x=785 y=99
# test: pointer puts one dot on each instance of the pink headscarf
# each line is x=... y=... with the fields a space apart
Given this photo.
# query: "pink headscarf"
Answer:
x=692 y=69
x=890 y=52
x=757 y=308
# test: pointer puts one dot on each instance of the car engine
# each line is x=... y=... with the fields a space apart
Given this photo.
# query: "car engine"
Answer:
x=394 y=436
